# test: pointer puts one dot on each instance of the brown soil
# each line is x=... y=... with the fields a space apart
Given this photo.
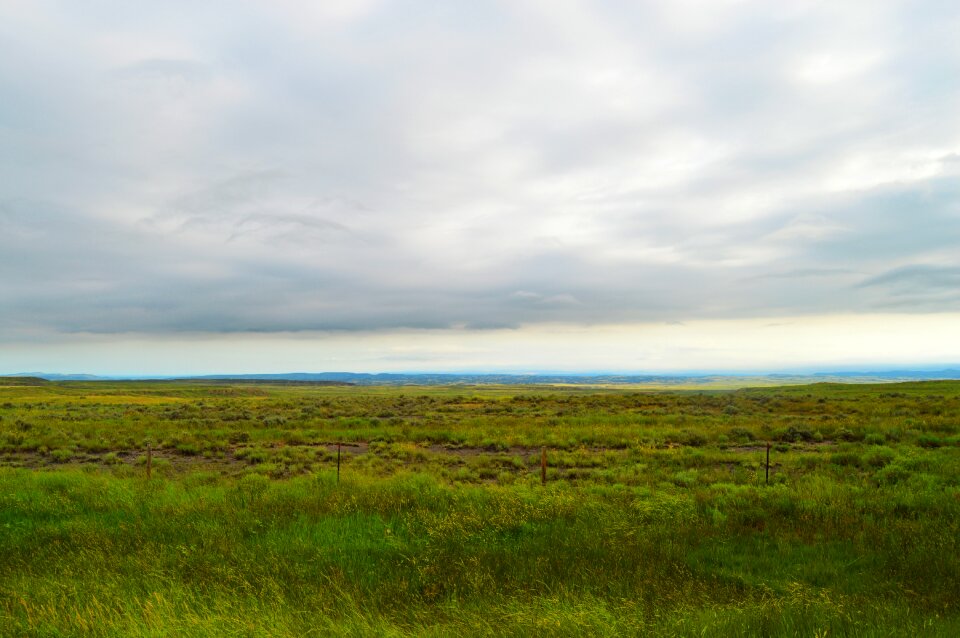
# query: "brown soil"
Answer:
x=763 y=448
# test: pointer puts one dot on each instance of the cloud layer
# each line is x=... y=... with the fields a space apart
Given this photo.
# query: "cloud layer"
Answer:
x=367 y=165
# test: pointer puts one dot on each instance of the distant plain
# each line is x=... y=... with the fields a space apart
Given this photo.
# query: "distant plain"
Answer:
x=659 y=514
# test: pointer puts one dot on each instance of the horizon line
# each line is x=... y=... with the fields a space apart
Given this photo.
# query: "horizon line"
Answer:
x=925 y=369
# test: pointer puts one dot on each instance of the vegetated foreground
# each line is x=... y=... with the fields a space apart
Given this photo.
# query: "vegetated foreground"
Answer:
x=656 y=516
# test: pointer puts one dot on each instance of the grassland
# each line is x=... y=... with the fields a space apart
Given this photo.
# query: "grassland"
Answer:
x=656 y=517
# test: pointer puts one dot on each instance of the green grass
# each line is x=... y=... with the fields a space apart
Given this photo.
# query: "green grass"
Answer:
x=656 y=519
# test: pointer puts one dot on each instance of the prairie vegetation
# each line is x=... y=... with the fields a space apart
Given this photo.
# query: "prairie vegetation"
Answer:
x=656 y=518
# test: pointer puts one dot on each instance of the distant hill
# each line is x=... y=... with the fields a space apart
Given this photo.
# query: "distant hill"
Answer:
x=48 y=376
x=385 y=378
x=426 y=378
x=598 y=379
x=894 y=375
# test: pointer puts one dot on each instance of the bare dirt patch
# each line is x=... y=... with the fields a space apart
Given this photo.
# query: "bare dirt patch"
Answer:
x=797 y=446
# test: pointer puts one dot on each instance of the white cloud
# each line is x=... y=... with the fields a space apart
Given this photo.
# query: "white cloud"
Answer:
x=832 y=67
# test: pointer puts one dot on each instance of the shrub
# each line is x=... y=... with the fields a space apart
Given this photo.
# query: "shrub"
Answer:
x=688 y=437
x=879 y=457
x=794 y=434
x=294 y=437
x=238 y=436
x=253 y=455
x=845 y=434
x=61 y=455
x=893 y=474
x=846 y=458
x=687 y=478
x=875 y=438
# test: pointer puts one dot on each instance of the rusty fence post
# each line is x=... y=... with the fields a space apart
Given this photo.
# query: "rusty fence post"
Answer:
x=543 y=465
x=767 y=478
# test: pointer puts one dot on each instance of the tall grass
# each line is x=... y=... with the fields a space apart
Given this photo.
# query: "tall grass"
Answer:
x=90 y=553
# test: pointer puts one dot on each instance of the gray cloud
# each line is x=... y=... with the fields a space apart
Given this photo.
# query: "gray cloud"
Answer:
x=920 y=277
x=918 y=287
x=406 y=164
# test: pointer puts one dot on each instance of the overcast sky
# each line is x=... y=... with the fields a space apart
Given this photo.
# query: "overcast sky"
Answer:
x=364 y=185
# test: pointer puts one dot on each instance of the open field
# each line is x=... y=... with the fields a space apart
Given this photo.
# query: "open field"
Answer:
x=656 y=517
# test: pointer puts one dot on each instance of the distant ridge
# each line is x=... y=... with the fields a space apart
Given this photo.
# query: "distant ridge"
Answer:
x=426 y=378
x=593 y=379
x=389 y=378
x=46 y=376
